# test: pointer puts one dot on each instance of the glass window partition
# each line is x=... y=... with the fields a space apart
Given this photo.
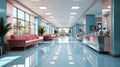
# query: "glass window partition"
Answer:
x=21 y=21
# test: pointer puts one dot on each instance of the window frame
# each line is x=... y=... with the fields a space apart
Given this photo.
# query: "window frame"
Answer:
x=17 y=19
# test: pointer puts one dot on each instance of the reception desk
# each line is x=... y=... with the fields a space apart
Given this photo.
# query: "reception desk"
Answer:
x=98 y=43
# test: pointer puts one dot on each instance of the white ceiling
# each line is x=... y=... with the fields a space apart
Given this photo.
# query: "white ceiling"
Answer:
x=61 y=10
x=96 y=8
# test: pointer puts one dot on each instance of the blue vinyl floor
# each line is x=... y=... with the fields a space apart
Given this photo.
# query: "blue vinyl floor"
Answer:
x=59 y=52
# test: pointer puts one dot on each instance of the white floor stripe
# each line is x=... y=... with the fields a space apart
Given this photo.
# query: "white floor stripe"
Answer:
x=70 y=58
x=54 y=58
x=52 y=62
x=71 y=62
x=69 y=53
x=57 y=53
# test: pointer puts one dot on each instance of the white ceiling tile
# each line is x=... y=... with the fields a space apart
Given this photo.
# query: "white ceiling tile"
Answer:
x=60 y=9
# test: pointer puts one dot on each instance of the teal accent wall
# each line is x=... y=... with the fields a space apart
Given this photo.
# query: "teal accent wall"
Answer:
x=70 y=29
x=37 y=24
x=52 y=29
x=101 y=40
x=3 y=12
x=90 y=20
x=73 y=30
x=77 y=28
x=3 y=9
x=48 y=28
x=115 y=27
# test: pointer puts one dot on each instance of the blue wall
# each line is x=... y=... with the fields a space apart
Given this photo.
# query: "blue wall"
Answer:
x=37 y=24
x=73 y=30
x=90 y=20
x=77 y=28
x=115 y=27
x=48 y=28
x=70 y=29
x=3 y=11
x=52 y=29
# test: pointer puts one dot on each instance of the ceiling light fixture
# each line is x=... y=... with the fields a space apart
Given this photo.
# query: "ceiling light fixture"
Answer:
x=71 y=17
x=73 y=13
x=43 y=7
x=51 y=17
x=75 y=7
x=48 y=13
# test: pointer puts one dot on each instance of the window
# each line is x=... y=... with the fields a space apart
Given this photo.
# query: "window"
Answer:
x=21 y=21
x=27 y=17
x=21 y=14
x=14 y=12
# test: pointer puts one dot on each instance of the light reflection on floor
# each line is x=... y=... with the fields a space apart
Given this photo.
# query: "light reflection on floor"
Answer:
x=60 y=52
x=6 y=60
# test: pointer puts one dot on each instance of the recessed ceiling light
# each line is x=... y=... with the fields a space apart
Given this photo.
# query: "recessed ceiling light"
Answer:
x=48 y=13
x=75 y=7
x=108 y=6
x=43 y=7
x=73 y=13
x=51 y=17
x=71 y=17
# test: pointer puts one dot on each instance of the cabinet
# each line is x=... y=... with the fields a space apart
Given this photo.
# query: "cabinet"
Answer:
x=98 y=43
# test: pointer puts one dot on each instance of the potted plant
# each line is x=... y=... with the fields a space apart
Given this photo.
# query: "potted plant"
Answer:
x=41 y=31
x=4 y=28
x=55 y=31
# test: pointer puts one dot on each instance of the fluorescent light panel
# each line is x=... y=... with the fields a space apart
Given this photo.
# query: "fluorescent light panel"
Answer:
x=71 y=17
x=75 y=7
x=43 y=7
x=73 y=13
x=48 y=13
x=51 y=17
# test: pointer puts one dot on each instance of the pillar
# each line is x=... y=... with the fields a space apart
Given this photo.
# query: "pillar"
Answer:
x=3 y=12
x=48 y=28
x=90 y=20
x=52 y=29
x=115 y=28
x=37 y=24
x=77 y=28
